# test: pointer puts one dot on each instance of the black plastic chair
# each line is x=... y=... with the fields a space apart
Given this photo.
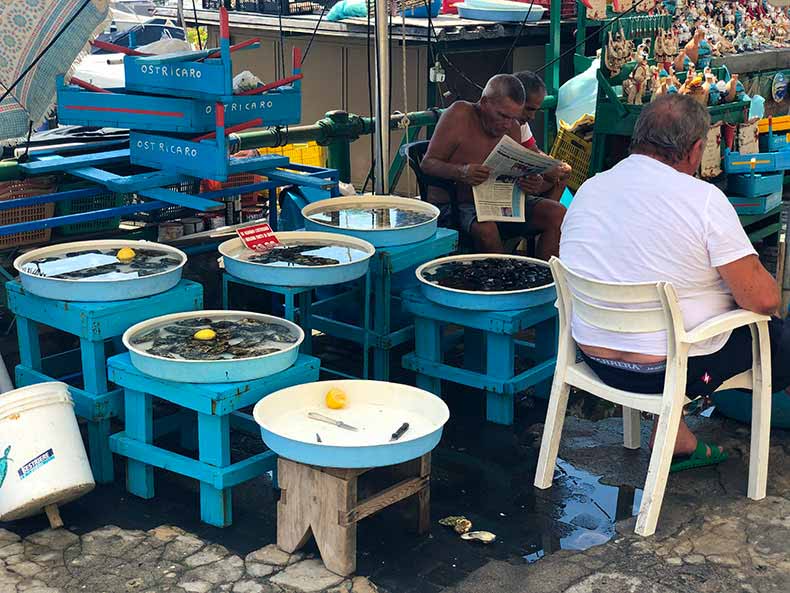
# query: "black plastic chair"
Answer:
x=414 y=153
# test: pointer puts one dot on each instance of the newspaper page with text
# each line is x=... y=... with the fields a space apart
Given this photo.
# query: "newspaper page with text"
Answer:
x=499 y=198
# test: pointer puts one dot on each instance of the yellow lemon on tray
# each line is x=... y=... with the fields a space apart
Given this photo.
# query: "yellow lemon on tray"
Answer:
x=125 y=254
x=336 y=398
x=205 y=334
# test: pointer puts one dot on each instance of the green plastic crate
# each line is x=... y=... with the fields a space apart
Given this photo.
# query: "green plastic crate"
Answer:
x=79 y=205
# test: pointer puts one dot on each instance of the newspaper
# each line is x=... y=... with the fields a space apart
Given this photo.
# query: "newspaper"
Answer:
x=499 y=198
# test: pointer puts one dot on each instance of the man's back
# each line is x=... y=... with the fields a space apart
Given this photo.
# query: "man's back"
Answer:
x=643 y=221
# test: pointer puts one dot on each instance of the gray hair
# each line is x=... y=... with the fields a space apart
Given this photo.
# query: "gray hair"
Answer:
x=505 y=86
x=532 y=82
x=669 y=127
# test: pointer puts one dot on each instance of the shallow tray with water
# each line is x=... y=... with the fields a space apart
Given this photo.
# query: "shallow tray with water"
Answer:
x=381 y=220
x=100 y=270
x=487 y=282
x=302 y=259
x=213 y=346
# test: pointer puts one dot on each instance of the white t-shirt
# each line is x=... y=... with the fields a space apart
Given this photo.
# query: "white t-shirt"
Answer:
x=527 y=138
x=643 y=221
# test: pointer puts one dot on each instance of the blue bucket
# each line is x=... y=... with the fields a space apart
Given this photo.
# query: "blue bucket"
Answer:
x=738 y=406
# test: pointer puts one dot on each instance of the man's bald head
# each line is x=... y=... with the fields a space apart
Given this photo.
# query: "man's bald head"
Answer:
x=669 y=128
x=504 y=86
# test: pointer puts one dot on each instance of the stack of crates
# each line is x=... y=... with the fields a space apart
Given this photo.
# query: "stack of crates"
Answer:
x=307 y=153
x=755 y=193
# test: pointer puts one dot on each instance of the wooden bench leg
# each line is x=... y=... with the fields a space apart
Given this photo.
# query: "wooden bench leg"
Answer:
x=474 y=350
x=29 y=343
x=500 y=364
x=312 y=502
x=546 y=333
x=139 y=424
x=216 y=507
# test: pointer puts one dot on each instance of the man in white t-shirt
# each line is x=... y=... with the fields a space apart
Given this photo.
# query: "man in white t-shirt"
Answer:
x=648 y=219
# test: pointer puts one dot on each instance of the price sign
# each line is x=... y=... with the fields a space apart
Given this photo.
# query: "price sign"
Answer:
x=259 y=237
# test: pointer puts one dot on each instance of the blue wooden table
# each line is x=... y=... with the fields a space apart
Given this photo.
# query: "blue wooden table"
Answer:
x=387 y=262
x=298 y=305
x=490 y=349
x=217 y=408
x=93 y=324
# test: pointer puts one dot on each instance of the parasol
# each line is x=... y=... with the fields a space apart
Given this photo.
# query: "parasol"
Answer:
x=39 y=39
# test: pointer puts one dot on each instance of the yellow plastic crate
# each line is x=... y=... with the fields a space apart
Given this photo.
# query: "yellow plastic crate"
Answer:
x=307 y=153
x=780 y=124
x=575 y=151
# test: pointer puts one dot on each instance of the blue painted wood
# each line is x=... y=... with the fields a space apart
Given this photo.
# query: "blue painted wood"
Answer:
x=129 y=183
x=58 y=164
x=500 y=362
x=48 y=198
x=94 y=370
x=211 y=398
x=29 y=343
x=764 y=162
x=139 y=423
x=99 y=321
x=428 y=346
x=90 y=406
x=99 y=451
x=216 y=506
x=205 y=159
x=490 y=350
x=209 y=80
x=227 y=477
x=178 y=199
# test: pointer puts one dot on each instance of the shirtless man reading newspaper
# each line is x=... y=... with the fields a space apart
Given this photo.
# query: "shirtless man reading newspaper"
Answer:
x=465 y=135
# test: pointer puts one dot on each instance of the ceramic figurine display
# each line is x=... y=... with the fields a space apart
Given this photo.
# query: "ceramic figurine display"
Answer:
x=596 y=9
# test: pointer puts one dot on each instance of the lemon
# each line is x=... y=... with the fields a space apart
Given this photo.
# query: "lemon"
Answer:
x=125 y=254
x=205 y=334
x=336 y=398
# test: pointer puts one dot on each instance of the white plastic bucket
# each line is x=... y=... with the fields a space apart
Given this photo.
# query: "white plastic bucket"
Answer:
x=42 y=457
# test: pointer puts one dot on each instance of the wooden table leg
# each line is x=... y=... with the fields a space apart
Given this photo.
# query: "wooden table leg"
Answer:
x=216 y=507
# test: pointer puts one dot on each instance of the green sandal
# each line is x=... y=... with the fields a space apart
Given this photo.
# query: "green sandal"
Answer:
x=699 y=458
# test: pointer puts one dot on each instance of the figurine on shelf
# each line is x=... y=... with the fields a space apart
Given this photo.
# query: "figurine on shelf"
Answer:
x=735 y=90
x=695 y=88
x=714 y=96
x=596 y=9
x=614 y=50
x=693 y=47
x=684 y=33
x=634 y=86
x=682 y=61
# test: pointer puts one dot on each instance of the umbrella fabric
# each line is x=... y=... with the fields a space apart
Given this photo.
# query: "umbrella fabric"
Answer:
x=26 y=27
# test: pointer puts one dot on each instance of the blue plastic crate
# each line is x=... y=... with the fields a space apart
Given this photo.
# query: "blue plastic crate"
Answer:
x=775 y=141
x=759 y=162
x=756 y=205
x=748 y=185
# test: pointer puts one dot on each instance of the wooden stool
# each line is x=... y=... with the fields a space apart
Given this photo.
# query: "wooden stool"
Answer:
x=93 y=323
x=490 y=348
x=323 y=501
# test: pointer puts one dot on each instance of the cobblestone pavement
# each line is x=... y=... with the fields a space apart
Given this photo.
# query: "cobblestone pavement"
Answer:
x=711 y=538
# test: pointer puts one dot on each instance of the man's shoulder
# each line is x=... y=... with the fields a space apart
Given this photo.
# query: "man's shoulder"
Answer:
x=460 y=109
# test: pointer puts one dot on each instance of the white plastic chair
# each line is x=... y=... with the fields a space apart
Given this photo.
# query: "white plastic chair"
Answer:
x=583 y=296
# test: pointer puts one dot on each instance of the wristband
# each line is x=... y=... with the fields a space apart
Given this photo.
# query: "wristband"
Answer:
x=464 y=171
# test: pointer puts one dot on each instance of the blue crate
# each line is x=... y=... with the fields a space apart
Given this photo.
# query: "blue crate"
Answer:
x=118 y=109
x=756 y=205
x=748 y=185
x=773 y=142
x=764 y=162
x=207 y=159
x=210 y=80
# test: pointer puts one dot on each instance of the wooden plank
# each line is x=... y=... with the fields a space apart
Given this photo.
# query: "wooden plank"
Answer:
x=179 y=199
x=55 y=164
x=179 y=56
x=383 y=499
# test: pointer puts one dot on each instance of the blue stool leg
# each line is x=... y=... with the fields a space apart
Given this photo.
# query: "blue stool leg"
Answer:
x=474 y=350
x=225 y=283
x=546 y=334
x=366 y=327
x=381 y=325
x=500 y=364
x=29 y=344
x=188 y=433
x=305 y=321
x=428 y=346
x=290 y=307
x=94 y=376
x=140 y=427
x=216 y=506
